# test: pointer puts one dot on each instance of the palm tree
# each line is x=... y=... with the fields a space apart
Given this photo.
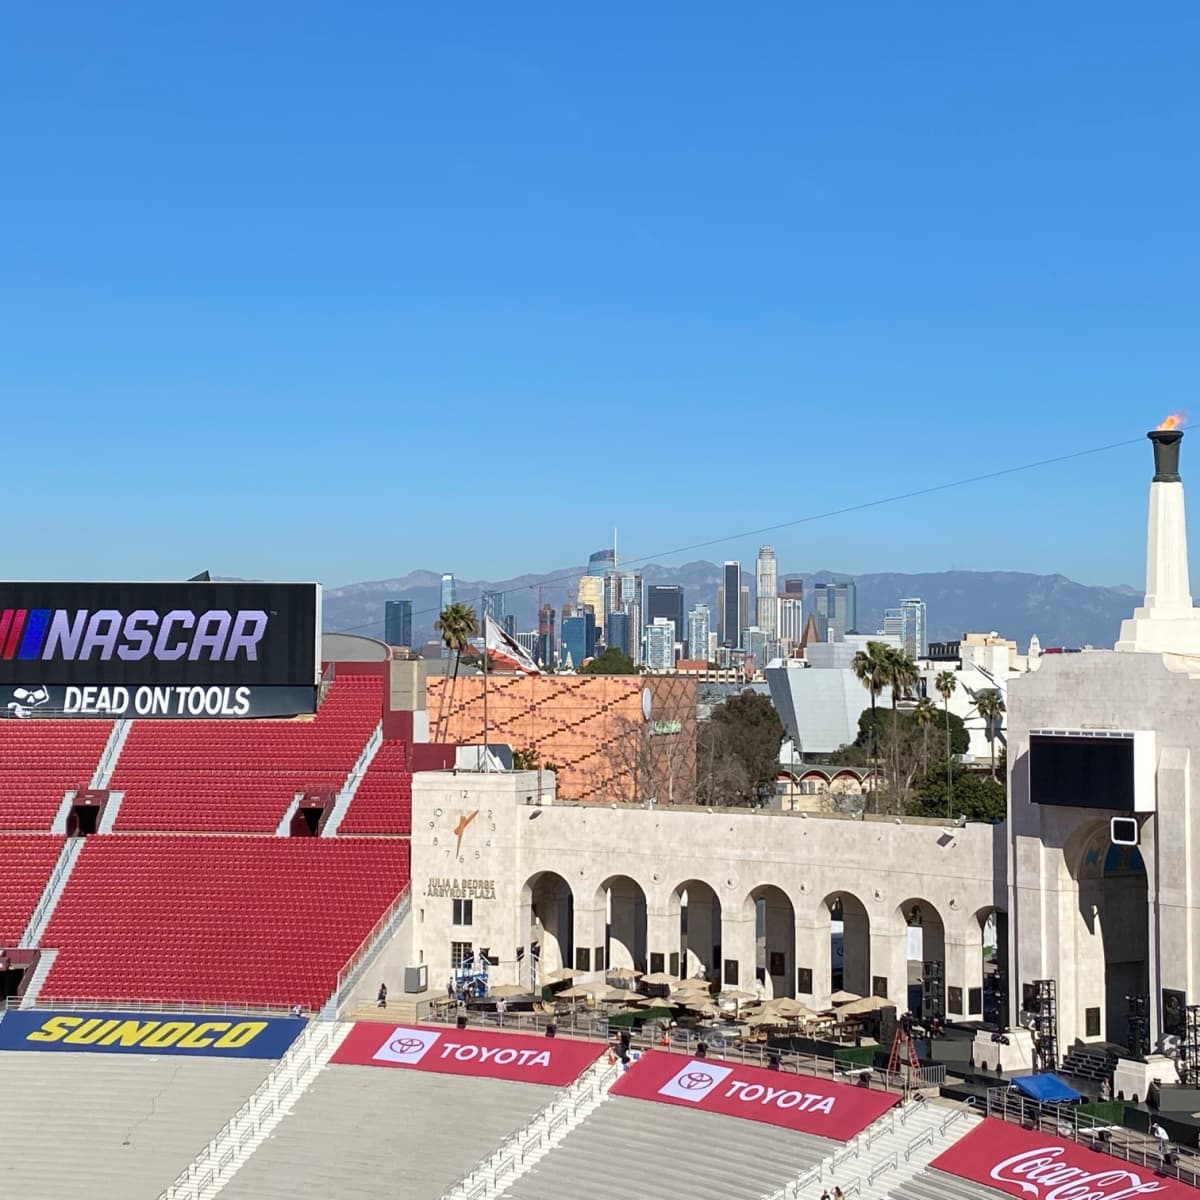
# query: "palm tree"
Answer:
x=945 y=684
x=924 y=714
x=902 y=676
x=458 y=624
x=870 y=669
x=990 y=706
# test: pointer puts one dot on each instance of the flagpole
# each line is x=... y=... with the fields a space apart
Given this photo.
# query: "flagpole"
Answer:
x=486 y=618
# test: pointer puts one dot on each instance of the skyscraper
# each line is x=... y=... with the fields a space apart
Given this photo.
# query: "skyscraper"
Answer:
x=397 y=622
x=492 y=605
x=767 y=574
x=632 y=607
x=616 y=632
x=660 y=644
x=914 y=635
x=578 y=639
x=835 y=606
x=730 y=618
x=447 y=591
x=666 y=600
x=547 y=642
x=699 y=619
x=755 y=642
x=789 y=620
x=591 y=585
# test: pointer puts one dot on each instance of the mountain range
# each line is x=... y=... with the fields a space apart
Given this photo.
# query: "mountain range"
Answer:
x=1014 y=604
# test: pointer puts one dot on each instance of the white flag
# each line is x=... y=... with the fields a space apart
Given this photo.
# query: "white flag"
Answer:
x=506 y=651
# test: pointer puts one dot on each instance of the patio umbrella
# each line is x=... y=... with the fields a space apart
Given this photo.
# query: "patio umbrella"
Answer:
x=692 y=1000
x=612 y=996
x=578 y=992
x=764 y=1019
x=843 y=997
x=660 y=979
x=787 y=1007
x=559 y=975
x=504 y=990
x=738 y=997
x=867 y=1004
x=623 y=973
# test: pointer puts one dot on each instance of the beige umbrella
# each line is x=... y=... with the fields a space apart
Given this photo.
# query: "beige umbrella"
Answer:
x=612 y=996
x=578 y=992
x=738 y=997
x=843 y=997
x=690 y=999
x=559 y=975
x=787 y=1007
x=503 y=990
x=623 y=973
x=867 y=1004
x=763 y=1019
x=660 y=979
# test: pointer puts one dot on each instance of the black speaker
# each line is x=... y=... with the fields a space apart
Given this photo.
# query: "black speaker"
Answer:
x=701 y=1049
x=462 y=1021
x=551 y=1029
x=773 y=1062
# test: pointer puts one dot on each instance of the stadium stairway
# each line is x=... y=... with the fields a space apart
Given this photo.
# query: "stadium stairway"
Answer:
x=255 y=1121
x=111 y=753
x=888 y=1153
x=348 y=790
x=33 y=989
x=60 y=873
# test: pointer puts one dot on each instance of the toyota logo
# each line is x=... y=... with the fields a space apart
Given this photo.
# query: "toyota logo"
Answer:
x=406 y=1045
x=693 y=1081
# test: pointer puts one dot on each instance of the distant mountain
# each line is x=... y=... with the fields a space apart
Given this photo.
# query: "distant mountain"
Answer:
x=1017 y=605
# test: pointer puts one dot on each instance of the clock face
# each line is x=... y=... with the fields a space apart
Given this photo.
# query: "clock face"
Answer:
x=646 y=701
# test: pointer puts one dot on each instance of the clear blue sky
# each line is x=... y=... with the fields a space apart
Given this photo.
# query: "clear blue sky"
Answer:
x=341 y=291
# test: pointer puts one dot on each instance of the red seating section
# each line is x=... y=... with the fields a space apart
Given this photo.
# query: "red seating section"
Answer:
x=246 y=920
x=235 y=775
x=40 y=759
x=26 y=861
x=383 y=801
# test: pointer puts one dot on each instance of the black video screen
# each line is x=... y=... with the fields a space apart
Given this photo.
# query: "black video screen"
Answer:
x=1081 y=772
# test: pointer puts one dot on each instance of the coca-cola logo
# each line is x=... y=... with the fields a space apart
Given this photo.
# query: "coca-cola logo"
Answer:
x=406 y=1045
x=695 y=1080
x=1043 y=1173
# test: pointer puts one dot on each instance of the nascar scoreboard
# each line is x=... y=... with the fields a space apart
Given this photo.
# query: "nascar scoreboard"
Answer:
x=159 y=650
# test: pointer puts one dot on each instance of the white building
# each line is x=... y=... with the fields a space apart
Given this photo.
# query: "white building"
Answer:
x=660 y=644
x=768 y=582
x=699 y=624
x=789 y=620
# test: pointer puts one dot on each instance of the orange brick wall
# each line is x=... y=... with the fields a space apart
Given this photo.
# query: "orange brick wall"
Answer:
x=590 y=726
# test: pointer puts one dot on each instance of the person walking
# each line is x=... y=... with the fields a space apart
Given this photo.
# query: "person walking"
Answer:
x=1164 y=1142
x=382 y=997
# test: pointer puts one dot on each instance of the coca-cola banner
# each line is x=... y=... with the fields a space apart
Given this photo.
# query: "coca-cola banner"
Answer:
x=801 y=1102
x=1035 y=1166
x=521 y=1057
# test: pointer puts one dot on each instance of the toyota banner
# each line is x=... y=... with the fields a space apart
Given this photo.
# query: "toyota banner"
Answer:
x=159 y=650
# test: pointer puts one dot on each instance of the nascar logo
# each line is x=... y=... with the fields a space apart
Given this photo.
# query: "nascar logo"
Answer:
x=79 y=635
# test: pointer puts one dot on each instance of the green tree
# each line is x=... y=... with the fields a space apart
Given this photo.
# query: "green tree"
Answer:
x=925 y=714
x=751 y=733
x=870 y=668
x=457 y=624
x=990 y=706
x=975 y=796
x=945 y=684
x=902 y=675
x=525 y=759
x=610 y=661
x=875 y=731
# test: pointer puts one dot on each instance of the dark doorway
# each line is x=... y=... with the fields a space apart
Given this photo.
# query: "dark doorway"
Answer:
x=84 y=817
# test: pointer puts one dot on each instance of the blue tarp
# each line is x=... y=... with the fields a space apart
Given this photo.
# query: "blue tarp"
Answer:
x=1049 y=1089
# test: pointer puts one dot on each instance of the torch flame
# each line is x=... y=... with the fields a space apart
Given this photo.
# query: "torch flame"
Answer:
x=1174 y=421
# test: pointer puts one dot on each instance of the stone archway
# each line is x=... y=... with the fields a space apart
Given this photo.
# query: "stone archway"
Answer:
x=774 y=940
x=548 y=924
x=1113 y=939
x=924 y=930
x=621 y=913
x=849 y=943
x=695 y=915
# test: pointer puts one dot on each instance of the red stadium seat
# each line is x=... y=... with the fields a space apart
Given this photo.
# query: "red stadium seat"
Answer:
x=40 y=760
x=383 y=801
x=25 y=865
x=241 y=775
x=241 y=920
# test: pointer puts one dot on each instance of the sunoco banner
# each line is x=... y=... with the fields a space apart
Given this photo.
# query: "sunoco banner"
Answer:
x=149 y=1033
x=177 y=649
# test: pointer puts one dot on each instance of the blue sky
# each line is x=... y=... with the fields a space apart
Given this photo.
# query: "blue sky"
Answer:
x=340 y=291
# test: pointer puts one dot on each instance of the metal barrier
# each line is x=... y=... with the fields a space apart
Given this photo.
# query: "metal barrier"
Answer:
x=915 y=1143
x=1068 y=1122
x=98 y=1003
x=589 y=1025
x=884 y=1164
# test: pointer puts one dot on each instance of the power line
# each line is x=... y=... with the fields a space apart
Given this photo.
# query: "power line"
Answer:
x=916 y=493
